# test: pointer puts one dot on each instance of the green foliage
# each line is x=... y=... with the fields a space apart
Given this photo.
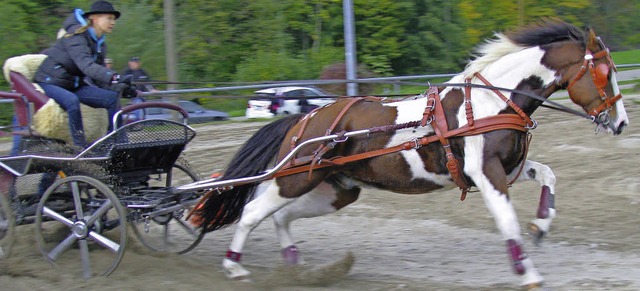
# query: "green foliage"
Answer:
x=6 y=114
x=244 y=40
x=138 y=33
x=626 y=57
x=435 y=39
x=270 y=66
x=277 y=66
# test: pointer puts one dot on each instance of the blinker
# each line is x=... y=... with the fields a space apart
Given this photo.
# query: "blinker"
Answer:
x=601 y=75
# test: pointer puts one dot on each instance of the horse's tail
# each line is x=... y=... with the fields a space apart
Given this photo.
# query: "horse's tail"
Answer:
x=223 y=209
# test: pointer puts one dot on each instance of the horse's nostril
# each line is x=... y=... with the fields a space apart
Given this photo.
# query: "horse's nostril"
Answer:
x=620 y=128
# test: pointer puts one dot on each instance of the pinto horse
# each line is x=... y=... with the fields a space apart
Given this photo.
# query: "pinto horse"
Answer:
x=451 y=136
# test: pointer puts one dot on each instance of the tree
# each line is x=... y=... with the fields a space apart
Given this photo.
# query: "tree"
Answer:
x=435 y=39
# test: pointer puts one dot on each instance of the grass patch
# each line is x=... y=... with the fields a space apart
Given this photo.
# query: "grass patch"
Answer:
x=626 y=57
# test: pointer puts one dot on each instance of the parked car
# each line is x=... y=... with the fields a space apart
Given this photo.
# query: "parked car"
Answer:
x=259 y=108
x=197 y=113
x=285 y=101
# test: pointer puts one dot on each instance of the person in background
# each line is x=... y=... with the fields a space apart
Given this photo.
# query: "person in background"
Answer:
x=79 y=56
x=108 y=62
x=137 y=74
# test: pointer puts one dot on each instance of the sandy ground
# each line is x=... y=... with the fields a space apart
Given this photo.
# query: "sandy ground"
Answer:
x=399 y=242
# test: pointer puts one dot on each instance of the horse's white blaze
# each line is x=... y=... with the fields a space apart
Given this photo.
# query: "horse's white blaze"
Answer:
x=621 y=117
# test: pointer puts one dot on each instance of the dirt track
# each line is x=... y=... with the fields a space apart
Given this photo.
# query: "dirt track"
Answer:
x=425 y=242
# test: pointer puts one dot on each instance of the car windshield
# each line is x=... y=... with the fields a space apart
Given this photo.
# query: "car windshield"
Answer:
x=153 y=110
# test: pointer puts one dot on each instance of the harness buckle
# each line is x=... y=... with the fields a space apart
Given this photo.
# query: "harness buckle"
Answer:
x=429 y=120
x=533 y=126
x=431 y=103
x=416 y=143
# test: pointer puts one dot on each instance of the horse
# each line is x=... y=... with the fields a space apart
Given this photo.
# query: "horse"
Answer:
x=450 y=136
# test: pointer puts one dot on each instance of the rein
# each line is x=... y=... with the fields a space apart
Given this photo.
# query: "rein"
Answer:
x=553 y=105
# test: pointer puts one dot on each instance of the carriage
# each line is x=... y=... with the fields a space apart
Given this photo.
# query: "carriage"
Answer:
x=82 y=201
x=472 y=131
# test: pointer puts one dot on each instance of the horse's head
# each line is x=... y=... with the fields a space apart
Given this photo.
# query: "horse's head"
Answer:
x=591 y=83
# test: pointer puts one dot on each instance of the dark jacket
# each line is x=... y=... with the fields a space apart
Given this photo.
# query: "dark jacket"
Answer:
x=74 y=57
x=139 y=75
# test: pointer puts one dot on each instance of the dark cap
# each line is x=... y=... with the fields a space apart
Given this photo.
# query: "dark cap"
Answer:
x=102 y=7
x=134 y=59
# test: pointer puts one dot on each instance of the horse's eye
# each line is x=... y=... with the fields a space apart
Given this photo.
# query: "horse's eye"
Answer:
x=602 y=75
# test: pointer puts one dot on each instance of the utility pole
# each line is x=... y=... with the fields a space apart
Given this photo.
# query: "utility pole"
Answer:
x=350 y=46
x=521 y=13
x=170 y=43
x=170 y=52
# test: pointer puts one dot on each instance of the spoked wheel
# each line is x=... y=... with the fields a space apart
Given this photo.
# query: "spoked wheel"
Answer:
x=7 y=227
x=171 y=232
x=80 y=215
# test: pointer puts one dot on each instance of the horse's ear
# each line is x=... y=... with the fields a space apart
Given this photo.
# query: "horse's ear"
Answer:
x=592 y=40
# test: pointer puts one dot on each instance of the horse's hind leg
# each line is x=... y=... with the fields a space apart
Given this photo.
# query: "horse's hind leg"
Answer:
x=490 y=178
x=540 y=226
x=266 y=203
x=324 y=199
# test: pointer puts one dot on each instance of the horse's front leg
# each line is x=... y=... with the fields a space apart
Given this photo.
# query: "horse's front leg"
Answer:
x=540 y=226
x=490 y=178
x=323 y=200
x=266 y=203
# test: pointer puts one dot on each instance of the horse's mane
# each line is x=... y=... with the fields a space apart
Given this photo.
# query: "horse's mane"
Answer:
x=540 y=33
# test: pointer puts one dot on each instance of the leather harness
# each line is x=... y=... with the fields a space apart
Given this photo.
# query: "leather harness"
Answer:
x=433 y=115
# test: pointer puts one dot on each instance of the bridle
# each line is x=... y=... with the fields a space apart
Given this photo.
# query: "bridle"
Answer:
x=600 y=77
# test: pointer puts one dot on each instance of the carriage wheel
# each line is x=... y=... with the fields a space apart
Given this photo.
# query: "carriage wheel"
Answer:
x=171 y=233
x=80 y=215
x=7 y=227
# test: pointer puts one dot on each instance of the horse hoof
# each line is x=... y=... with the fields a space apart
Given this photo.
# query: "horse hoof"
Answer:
x=534 y=286
x=536 y=234
x=235 y=271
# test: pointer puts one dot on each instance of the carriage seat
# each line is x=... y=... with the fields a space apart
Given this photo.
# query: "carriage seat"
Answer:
x=49 y=119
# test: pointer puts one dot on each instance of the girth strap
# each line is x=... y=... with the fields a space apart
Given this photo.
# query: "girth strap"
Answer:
x=440 y=126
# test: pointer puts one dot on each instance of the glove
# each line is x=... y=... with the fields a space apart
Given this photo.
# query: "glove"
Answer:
x=122 y=80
